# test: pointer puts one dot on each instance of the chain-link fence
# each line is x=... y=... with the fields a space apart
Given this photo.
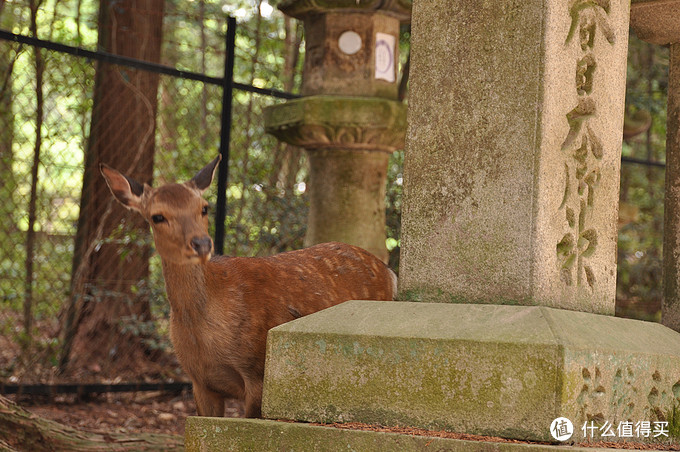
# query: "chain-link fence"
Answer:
x=69 y=255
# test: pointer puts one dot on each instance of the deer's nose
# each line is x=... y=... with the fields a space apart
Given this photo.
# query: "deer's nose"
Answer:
x=202 y=245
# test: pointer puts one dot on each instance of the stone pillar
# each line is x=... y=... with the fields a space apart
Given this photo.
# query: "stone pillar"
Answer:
x=348 y=141
x=670 y=309
x=513 y=153
x=658 y=22
x=350 y=119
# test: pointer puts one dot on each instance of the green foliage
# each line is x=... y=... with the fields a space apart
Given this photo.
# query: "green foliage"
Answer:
x=394 y=192
x=673 y=417
x=639 y=286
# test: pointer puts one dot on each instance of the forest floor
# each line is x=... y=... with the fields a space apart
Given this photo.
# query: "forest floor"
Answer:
x=151 y=412
x=124 y=412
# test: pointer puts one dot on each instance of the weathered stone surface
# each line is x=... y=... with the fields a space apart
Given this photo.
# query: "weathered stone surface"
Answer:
x=329 y=70
x=348 y=140
x=301 y=8
x=656 y=21
x=347 y=199
x=483 y=369
x=670 y=308
x=512 y=159
x=332 y=122
x=206 y=434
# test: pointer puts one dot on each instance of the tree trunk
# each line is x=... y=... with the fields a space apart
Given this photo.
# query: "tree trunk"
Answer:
x=33 y=199
x=24 y=431
x=244 y=165
x=112 y=245
x=288 y=158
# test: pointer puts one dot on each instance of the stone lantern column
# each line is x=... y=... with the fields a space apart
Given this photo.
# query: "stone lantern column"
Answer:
x=350 y=119
x=658 y=22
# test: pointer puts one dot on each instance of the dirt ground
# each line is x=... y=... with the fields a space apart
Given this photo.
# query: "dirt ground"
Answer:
x=153 y=412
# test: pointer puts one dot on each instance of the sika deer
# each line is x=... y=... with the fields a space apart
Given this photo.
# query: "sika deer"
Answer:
x=222 y=307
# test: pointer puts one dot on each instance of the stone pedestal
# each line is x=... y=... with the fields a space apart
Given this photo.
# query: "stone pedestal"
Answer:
x=658 y=22
x=351 y=120
x=513 y=153
x=495 y=370
x=492 y=370
x=209 y=434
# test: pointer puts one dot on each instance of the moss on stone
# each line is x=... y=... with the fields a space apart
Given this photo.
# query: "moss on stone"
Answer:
x=438 y=295
x=222 y=434
x=486 y=369
x=300 y=8
x=325 y=122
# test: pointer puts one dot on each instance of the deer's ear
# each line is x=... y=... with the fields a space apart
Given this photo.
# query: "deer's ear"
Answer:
x=204 y=178
x=127 y=191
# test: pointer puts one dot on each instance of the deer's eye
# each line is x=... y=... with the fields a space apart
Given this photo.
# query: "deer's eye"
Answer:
x=158 y=218
x=204 y=211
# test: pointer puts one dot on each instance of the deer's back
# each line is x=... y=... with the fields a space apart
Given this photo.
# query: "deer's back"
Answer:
x=306 y=280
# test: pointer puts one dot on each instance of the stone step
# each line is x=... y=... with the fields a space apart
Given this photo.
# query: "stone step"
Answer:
x=494 y=370
x=206 y=434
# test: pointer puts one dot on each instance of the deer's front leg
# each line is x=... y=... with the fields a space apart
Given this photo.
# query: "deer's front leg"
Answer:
x=254 y=399
x=208 y=403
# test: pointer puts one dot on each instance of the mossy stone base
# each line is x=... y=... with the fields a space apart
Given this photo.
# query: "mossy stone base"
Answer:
x=206 y=434
x=485 y=369
x=337 y=122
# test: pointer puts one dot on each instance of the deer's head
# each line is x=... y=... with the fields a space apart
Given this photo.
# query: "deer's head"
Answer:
x=177 y=213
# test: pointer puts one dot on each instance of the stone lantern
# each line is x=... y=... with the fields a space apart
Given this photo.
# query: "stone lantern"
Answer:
x=350 y=119
x=658 y=22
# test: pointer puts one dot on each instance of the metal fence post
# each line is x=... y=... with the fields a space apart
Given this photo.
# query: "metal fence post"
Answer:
x=225 y=136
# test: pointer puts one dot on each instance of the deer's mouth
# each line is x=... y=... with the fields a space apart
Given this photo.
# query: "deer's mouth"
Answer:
x=202 y=247
x=193 y=259
x=204 y=258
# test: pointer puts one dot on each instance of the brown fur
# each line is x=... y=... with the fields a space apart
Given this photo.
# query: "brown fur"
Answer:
x=222 y=308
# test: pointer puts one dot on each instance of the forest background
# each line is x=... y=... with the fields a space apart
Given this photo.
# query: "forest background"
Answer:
x=58 y=320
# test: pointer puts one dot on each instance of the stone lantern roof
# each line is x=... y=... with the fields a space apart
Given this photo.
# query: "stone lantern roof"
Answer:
x=654 y=21
x=401 y=9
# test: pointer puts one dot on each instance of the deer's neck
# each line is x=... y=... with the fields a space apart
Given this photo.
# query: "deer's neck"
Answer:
x=186 y=288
